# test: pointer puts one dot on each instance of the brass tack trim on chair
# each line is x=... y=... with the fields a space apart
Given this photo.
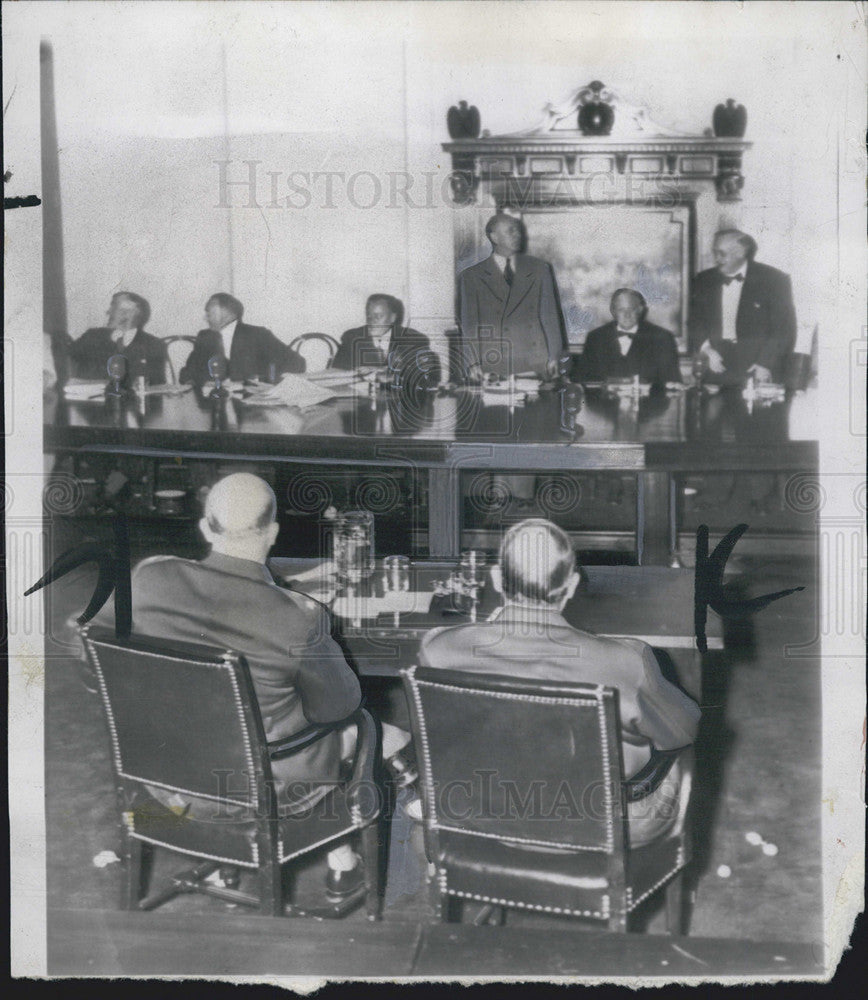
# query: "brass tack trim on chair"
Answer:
x=607 y=791
x=633 y=903
x=558 y=910
x=116 y=752
x=520 y=840
x=534 y=698
x=236 y=694
x=310 y=847
x=199 y=854
x=426 y=754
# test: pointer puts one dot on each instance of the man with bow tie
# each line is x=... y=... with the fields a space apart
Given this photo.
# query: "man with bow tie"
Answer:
x=252 y=352
x=125 y=334
x=630 y=345
x=742 y=320
x=508 y=309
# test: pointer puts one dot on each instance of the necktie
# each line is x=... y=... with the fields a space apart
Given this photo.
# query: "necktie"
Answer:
x=508 y=272
x=728 y=279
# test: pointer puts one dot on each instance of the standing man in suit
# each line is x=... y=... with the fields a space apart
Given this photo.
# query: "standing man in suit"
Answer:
x=537 y=575
x=508 y=309
x=383 y=340
x=630 y=345
x=125 y=334
x=251 y=351
x=742 y=319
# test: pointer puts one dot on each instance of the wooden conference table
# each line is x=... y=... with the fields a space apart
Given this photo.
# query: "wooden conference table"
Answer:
x=442 y=433
x=652 y=603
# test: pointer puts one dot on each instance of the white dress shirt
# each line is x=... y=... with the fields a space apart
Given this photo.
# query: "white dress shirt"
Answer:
x=625 y=339
x=381 y=340
x=123 y=338
x=501 y=262
x=729 y=300
x=228 y=335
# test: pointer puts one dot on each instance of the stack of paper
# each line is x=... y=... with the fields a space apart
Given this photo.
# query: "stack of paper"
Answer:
x=291 y=390
x=78 y=388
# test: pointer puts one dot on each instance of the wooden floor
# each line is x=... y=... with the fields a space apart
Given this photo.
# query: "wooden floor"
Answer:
x=92 y=942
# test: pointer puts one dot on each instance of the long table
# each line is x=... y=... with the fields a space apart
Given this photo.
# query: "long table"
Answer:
x=652 y=603
x=441 y=434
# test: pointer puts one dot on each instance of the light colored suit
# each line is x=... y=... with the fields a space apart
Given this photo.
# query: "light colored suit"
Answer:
x=510 y=329
x=299 y=672
x=540 y=643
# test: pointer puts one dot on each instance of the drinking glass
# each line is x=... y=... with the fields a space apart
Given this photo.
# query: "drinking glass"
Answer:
x=396 y=578
x=472 y=569
x=353 y=546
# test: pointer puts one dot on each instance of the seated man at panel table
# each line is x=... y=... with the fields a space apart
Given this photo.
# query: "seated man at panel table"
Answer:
x=299 y=673
x=509 y=314
x=630 y=345
x=383 y=340
x=252 y=352
x=530 y=638
x=125 y=334
x=742 y=320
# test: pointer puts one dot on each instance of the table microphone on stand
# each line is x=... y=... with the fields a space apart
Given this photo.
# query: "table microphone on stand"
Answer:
x=218 y=368
x=117 y=369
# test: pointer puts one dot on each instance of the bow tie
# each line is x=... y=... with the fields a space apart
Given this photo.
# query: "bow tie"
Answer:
x=728 y=279
x=624 y=333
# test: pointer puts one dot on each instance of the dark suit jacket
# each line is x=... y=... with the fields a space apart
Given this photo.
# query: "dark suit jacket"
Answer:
x=298 y=671
x=254 y=350
x=406 y=348
x=530 y=643
x=765 y=323
x=506 y=329
x=653 y=355
x=89 y=355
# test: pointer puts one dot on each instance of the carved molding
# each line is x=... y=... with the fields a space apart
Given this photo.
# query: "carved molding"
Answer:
x=637 y=147
x=630 y=120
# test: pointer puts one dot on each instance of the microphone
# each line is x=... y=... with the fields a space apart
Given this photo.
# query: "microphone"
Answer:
x=218 y=368
x=117 y=370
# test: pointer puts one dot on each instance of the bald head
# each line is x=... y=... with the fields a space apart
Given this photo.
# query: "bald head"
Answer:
x=239 y=519
x=537 y=564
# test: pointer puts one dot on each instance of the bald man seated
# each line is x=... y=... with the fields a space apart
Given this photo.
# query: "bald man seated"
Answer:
x=537 y=575
x=229 y=599
x=630 y=345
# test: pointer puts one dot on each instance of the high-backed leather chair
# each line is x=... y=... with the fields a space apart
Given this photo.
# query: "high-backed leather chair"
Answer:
x=524 y=799
x=184 y=721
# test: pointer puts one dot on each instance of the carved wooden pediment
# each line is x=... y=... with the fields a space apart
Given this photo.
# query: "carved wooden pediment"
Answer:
x=594 y=131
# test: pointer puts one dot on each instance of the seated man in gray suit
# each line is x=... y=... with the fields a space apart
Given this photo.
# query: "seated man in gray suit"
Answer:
x=530 y=638
x=229 y=599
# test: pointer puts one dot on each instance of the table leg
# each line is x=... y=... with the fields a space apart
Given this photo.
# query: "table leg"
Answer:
x=444 y=513
x=653 y=518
